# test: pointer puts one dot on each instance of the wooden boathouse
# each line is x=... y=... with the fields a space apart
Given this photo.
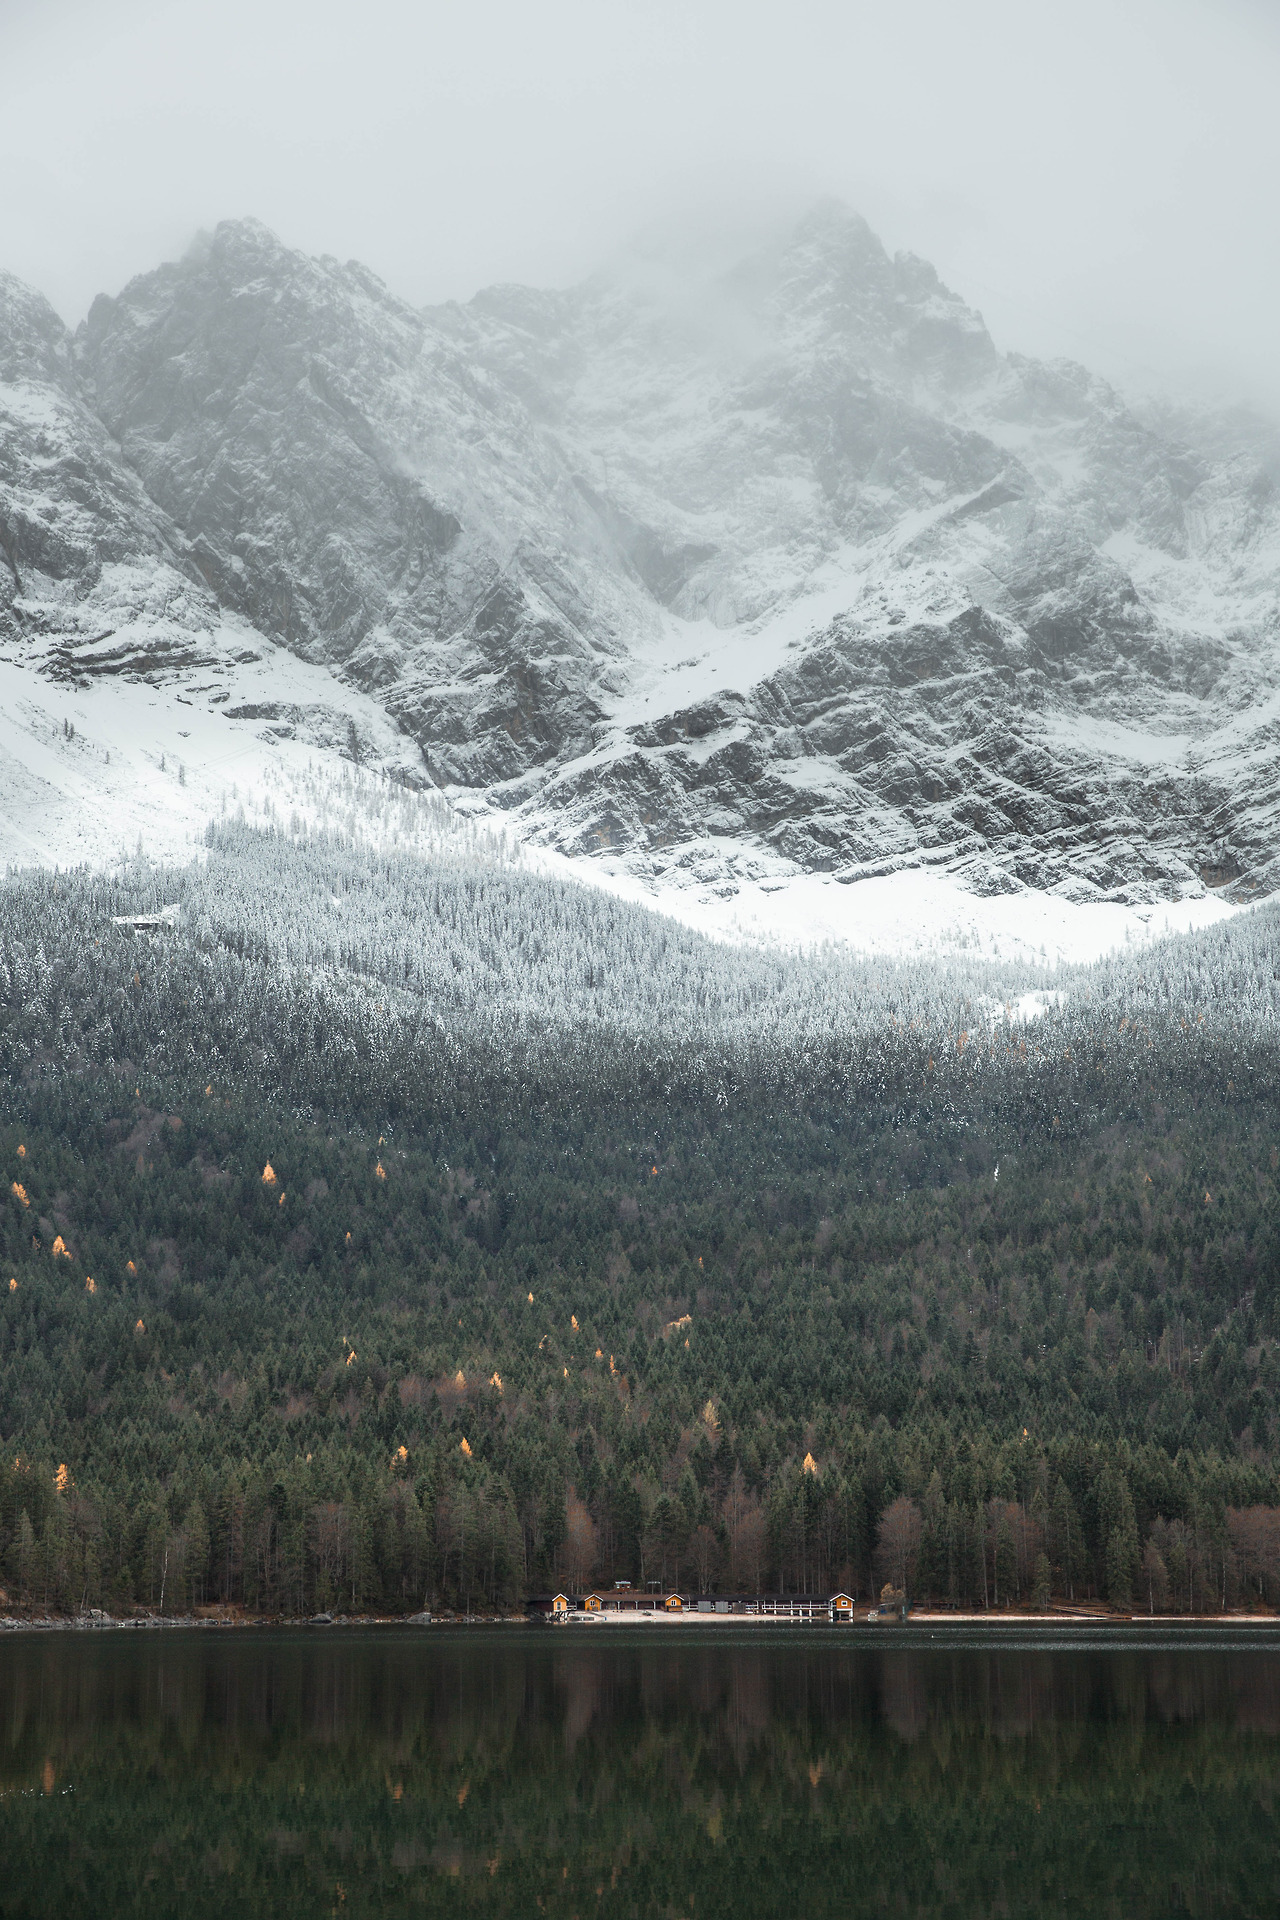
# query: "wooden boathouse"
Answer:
x=635 y=1603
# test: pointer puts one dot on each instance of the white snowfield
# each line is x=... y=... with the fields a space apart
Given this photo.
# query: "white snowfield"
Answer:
x=915 y=913
x=87 y=777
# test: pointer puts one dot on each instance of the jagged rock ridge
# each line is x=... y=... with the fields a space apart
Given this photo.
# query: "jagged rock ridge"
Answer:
x=797 y=574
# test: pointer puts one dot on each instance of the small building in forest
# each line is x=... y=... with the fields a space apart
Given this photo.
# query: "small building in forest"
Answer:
x=165 y=921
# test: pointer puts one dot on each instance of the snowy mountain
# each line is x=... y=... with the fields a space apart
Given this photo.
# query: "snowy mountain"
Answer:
x=772 y=584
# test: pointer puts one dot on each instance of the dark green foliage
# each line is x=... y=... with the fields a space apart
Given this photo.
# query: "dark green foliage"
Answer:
x=766 y=1294
x=815 y=1333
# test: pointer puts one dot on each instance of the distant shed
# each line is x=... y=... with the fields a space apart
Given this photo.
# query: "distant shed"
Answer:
x=165 y=921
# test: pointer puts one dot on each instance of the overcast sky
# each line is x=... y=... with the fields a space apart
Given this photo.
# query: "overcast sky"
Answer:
x=1099 y=177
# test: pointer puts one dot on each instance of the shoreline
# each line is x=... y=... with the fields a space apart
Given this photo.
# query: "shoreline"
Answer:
x=988 y=1619
x=100 y=1622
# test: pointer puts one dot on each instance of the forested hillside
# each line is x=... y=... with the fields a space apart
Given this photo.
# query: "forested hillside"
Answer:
x=392 y=1232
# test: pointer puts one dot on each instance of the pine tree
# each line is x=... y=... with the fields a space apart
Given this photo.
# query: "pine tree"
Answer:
x=195 y=1530
x=22 y=1556
x=1042 y=1588
x=1120 y=1536
x=1066 y=1538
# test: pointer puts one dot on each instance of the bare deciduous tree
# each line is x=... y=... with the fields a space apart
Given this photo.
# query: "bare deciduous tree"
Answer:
x=579 y=1543
x=704 y=1551
x=898 y=1543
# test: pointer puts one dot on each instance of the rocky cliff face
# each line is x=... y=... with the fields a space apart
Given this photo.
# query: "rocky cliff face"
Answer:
x=797 y=573
x=81 y=543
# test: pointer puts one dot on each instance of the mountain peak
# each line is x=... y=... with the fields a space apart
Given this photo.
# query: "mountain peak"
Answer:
x=829 y=244
x=833 y=225
x=33 y=341
x=830 y=285
x=248 y=240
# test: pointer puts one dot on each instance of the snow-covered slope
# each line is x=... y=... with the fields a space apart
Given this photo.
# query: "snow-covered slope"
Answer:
x=88 y=774
x=766 y=595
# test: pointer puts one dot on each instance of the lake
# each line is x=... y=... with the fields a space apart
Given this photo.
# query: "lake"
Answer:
x=676 y=1772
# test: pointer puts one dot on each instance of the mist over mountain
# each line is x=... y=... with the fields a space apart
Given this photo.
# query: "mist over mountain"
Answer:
x=796 y=575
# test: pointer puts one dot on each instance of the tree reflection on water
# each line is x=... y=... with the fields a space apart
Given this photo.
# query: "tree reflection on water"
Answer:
x=721 y=1774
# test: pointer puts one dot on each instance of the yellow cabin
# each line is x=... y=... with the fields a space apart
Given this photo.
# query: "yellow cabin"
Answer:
x=592 y=1603
x=674 y=1603
x=560 y=1603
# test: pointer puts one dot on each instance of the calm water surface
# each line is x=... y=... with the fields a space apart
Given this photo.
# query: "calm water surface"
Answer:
x=674 y=1772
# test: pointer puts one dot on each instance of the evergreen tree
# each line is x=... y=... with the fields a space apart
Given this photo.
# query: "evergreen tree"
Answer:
x=1120 y=1536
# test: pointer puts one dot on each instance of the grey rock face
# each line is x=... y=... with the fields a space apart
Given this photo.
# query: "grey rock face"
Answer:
x=96 y=579
x=70 y=509
x=793 y=572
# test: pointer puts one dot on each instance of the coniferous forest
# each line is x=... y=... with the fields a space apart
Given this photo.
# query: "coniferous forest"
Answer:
x=384 y=1232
